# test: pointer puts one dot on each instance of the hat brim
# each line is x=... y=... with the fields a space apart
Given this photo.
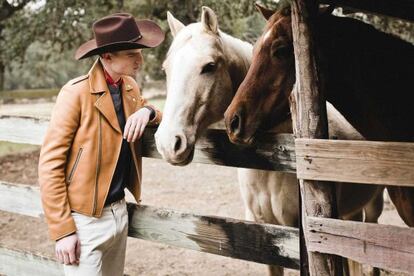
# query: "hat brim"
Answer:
x=151 y=36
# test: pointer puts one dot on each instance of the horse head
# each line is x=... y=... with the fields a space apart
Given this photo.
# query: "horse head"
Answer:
x=201 y=71
x=261 y=102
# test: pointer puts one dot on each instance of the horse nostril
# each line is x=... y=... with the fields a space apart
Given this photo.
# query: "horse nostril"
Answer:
x=177 y=144
x=235 y=124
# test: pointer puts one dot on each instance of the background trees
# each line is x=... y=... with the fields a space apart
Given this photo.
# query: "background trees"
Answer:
x=38 y=37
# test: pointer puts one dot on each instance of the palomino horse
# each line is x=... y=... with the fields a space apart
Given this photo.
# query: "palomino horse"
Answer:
x=368 y=78
x=204 y=68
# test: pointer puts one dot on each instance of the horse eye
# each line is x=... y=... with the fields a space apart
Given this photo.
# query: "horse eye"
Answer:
x=208 y=68
x=283 y=51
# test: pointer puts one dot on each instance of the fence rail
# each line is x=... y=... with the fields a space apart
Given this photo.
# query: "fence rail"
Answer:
x=382 y=163
x=263 y=243
x=22 y=263
x=273 y=152
x=367 y=162
x=384 y=246
x=372 y=244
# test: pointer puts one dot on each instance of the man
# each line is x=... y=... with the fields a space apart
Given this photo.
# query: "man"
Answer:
x=89 y=156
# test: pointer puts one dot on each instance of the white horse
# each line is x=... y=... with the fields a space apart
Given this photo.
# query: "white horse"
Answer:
x=204 y=68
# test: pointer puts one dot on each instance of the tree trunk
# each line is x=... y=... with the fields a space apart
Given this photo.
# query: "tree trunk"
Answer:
x=2 y=71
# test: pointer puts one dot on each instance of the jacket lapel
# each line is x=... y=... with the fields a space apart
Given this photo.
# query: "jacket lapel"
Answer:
x=104 y=103
x=129 y=100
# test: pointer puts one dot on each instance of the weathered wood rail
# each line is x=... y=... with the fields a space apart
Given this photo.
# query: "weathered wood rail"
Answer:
x=383 y=163
x=262 y=243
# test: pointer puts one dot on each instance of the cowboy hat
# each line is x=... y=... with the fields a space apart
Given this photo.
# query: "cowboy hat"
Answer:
x=120 y=31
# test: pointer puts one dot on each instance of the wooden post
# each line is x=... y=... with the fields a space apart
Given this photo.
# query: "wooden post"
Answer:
x=308 y=110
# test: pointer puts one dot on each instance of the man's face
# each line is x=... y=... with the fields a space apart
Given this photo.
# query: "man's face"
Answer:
x=126 y=62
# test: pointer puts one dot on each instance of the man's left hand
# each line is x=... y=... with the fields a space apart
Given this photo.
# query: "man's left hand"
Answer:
x=136 y=123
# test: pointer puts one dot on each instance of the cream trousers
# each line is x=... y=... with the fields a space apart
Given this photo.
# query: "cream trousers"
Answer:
x=103 y=242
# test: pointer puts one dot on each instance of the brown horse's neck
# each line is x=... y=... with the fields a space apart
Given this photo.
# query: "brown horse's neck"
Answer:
x=368 y=77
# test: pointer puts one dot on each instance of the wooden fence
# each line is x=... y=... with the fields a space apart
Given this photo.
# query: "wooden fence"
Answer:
x=384 y=246
x=263 y=243
x=320 y=160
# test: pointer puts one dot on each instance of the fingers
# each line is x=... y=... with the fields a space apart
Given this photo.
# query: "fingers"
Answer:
x=78 y=250
x=142 y=128
x=65 y=258
x=72 y=256
x=131 y=130
x=127 y=127
x=135 y=125
x=59 y=256
x=136 y=132
x=68 y=250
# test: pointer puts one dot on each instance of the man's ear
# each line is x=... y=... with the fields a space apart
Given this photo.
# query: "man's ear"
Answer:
x=264 y=11
x=106 y=56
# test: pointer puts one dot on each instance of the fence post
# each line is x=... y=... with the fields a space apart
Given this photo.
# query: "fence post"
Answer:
x=309 y=120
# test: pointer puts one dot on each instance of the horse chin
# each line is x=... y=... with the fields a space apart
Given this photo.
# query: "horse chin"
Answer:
x=184 y=161
x=242 y=141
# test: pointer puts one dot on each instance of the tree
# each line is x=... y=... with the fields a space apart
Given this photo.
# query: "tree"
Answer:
x=58 y=24
x=50 y=31
x=8 y=9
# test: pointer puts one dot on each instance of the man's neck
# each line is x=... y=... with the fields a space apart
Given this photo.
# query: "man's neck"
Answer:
x=115 y=77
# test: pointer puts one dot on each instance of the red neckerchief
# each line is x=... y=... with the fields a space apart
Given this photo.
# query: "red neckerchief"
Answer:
x=110 y=81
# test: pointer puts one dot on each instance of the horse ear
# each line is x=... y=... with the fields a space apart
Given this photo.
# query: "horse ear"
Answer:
x=326 y=10
x=174 y=23
x=264 y=11
x=209 y=20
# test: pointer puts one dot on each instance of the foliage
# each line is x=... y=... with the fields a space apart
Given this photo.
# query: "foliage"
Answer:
x=42 y=56
x=37 y=42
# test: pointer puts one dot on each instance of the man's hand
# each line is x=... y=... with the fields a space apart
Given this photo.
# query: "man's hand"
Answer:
x=136 y=123
x=68 y=250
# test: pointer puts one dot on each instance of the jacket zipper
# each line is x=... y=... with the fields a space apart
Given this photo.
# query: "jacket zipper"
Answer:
x=78 y=156
x=98 y=163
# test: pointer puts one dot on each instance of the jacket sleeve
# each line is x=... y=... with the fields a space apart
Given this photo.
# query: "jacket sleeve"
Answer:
x=158 y=114
x=52 y=164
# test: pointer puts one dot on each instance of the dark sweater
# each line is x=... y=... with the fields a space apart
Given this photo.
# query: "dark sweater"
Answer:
x=122 y=170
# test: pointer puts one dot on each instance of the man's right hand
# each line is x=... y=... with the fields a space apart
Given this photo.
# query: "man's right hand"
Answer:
x=68 y=250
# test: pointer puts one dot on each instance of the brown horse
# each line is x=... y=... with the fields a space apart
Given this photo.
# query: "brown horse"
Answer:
x=368 y=78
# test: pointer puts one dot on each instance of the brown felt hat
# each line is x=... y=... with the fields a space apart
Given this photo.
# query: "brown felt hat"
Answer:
x=120 y=31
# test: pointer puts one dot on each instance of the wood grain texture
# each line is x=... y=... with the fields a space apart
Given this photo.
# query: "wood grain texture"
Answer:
x=17 y=262
x=18 y=129
x=309 y=117
x=264 y=243
x=20 y=199
x=272 y=152
x=384 y=246
x=386 y=163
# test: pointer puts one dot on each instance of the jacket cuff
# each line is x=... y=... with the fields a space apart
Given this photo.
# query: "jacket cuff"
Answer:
x=62 y=229
x=152 y=114
x=158 y=115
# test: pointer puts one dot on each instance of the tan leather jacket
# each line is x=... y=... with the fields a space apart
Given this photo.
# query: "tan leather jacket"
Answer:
x=81 y=149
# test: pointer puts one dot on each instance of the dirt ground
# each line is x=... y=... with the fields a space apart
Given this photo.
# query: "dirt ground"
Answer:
x=198 y=188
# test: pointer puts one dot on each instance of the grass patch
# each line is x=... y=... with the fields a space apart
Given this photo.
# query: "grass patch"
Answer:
x=11 y=95
x=7 y=148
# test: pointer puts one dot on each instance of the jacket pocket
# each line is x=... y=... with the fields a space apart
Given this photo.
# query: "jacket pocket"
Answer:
x=72 y=171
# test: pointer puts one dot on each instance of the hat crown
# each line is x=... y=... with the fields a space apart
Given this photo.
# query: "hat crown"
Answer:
x=115 y=28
